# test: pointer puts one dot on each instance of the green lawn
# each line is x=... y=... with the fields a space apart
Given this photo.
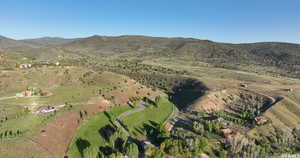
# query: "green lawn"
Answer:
x=157 y=114
x=90 y=131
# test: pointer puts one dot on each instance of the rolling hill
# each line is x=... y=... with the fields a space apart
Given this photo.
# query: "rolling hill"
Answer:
x=6 y=43
x=48 y=41
x=280 y=58
x=268 y=57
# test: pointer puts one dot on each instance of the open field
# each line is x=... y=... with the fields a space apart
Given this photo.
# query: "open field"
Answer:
x=22 y=148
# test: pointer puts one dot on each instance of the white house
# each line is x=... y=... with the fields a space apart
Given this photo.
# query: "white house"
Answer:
x=25 y=66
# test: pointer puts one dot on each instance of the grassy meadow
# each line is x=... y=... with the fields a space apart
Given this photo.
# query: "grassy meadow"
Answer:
x=90 y=130
x=157 y=114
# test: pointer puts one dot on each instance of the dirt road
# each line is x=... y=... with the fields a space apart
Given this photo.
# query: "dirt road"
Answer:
x=117 y=122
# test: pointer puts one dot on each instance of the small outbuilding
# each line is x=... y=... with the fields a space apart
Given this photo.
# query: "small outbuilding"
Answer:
x=261 y=120
x=25 y=66
x=45 y=109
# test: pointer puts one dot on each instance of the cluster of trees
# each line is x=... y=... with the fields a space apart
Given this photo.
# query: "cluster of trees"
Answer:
x=127 y=67
x=150 y=75
x=179 y=142
x=118 y=145
x=207 y=126
x=11 y=134
x=241 y=146
x=3 y=119
x=282 y=141
x=248 y=107
x=83 y=114
x=34 y=90
x=160 y=81
x=245 y=110
x=229 y=117
x=5 y=116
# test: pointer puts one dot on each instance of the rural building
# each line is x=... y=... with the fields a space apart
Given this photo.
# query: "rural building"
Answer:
x=20 y=95
x=29 y=92
x=45 y=109
x=228 y=131
x=25 y=94
x=44 y=94
x=169 y=126
x=261 y=120
x=25 y=66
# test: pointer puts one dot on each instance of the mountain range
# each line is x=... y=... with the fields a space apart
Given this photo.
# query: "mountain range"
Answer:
x=266 y=57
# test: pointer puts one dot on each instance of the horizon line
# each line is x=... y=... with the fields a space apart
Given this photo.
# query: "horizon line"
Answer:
x=141 y=35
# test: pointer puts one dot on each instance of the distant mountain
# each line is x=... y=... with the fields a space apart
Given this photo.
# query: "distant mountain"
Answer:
x=267 y=57
x=126 y=44
x=281 y=58
x=48 y=41
x=6 y=43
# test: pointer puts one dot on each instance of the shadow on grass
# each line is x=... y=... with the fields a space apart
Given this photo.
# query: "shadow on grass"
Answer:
x=106 y=150
x=106 y=131
x=107 y=115
x=153 y=132
x=149 y=101
x=139 y=130
x=109 y=118
x=82 y=145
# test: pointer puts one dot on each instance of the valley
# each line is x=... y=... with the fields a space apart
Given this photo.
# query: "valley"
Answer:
x=148 y=97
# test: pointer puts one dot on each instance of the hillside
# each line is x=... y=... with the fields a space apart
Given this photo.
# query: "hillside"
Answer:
x=6 y=43
x=279 y=58
x=269 y=57
x=48 y=41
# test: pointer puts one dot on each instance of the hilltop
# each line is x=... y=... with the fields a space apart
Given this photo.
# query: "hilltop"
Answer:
x=6 y=43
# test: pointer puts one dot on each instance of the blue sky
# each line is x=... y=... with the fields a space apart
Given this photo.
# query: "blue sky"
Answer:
x=236 y=21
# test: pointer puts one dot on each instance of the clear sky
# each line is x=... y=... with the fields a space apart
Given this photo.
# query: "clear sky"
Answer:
x=236 y=21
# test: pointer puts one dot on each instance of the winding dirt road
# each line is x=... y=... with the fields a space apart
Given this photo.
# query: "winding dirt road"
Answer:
x=118 y=120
